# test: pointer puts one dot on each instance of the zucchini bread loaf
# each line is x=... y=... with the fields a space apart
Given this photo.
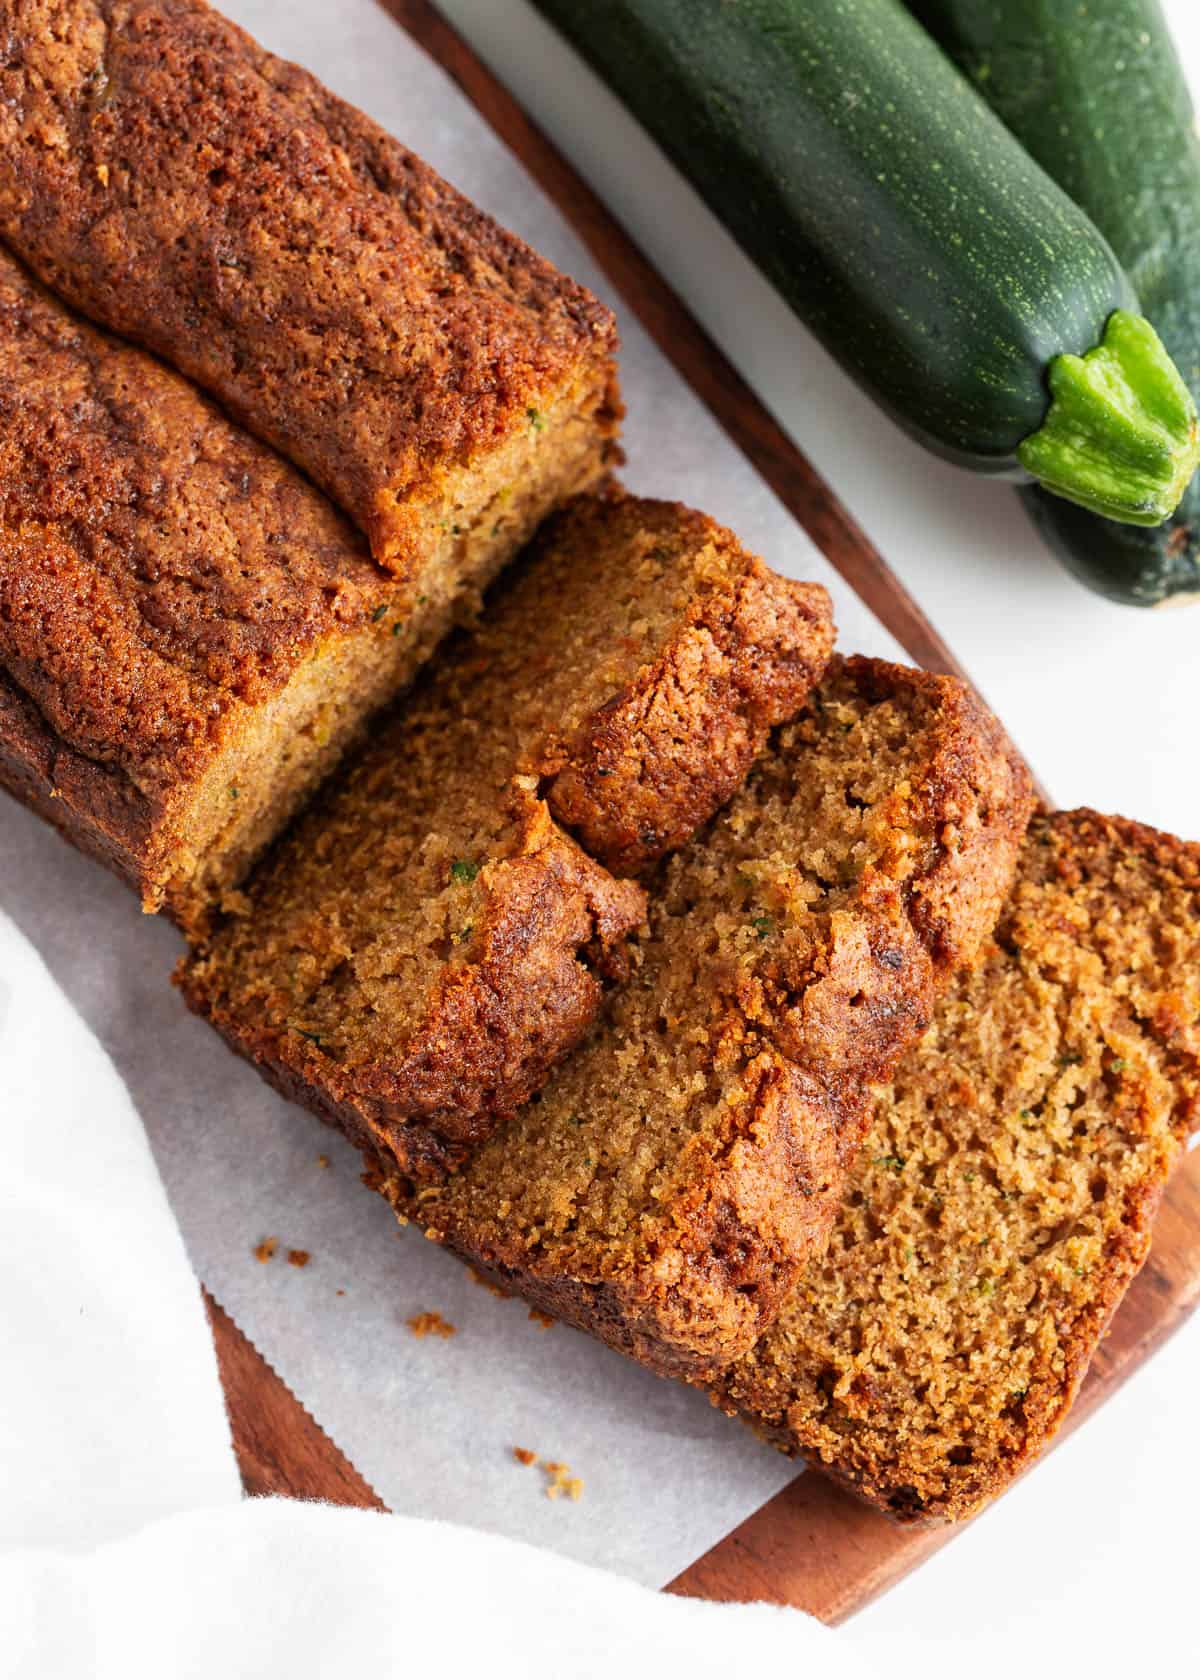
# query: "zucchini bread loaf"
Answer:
x=429 y=940
x=189 y=632
x=1004 y=1202
x=180 y=185
x=667 y=1185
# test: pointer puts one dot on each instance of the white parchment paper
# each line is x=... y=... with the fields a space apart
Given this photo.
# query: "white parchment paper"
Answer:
x=431 y=1423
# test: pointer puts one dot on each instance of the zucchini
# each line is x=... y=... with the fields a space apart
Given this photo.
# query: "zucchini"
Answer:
x=1098 y=96
x=941 y=266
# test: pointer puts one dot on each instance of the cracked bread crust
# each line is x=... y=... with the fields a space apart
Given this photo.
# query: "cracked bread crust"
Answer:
x=223 y=209
x=634 y=777
x=164 y=580
x=424 y=947
x=668 y=1184
x=1005 y=1201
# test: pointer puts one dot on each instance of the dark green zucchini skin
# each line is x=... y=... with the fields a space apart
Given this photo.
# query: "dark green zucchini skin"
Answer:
x=1098 y=96
x=894 y=212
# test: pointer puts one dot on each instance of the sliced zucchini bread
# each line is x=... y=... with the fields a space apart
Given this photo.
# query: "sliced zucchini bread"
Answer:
x=667 y=1185
x=1004 y=1201
x=430 y=939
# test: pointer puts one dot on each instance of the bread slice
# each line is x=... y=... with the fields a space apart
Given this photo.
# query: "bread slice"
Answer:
x=190 y=634
x=429 y=941
x=666 y=1187
x=437 y=378
x=1005 y=1200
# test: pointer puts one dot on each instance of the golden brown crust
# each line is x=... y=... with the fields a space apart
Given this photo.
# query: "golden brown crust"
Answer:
x=975 y=803
x=1007 y=1197
x=155 y=563
x=203 y=198
x=162 y=577
x=638 y=775
x=673 y=1177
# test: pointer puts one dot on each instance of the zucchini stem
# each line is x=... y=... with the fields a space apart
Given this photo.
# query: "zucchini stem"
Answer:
x=1121 y=436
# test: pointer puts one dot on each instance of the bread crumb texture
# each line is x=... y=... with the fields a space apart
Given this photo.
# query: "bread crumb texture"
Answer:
x=1004 y=1202
x=666 y=1186
x=429 y=941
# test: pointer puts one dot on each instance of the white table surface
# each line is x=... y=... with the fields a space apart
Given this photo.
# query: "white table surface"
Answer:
x=1104 y=702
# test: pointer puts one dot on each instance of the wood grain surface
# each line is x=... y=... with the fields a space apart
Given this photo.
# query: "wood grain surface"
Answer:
x=813 y=1546
x=280 y=1448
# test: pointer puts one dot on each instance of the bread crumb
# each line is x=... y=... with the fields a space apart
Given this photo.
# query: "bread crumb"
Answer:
x=486 y=1283
x=266 y=1249
x=322 y=1160
x=339 y=1291
x=298 y=1257
x=541 y=1319
x=559 y=1479
x=430 y=1324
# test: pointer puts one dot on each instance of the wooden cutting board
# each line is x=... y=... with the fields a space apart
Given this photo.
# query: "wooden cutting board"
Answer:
x=813 y=1546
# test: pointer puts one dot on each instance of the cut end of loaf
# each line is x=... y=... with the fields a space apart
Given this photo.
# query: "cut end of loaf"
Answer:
x=278 y=753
